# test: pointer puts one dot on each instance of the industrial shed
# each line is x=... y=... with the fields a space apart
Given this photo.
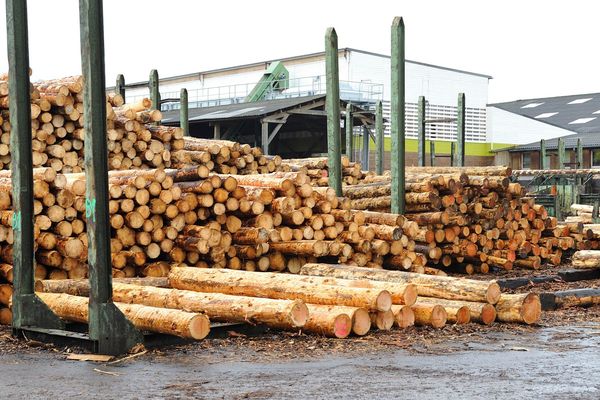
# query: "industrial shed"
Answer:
x=290 y=127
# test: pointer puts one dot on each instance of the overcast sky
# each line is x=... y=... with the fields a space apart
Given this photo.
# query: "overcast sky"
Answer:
x=531 y=48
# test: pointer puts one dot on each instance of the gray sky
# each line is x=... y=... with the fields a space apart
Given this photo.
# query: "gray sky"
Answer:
x=531 y=48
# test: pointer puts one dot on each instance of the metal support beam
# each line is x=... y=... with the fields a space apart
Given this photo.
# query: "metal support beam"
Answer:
x=275 y=131
x=579 y=154
x=264 y=137
x=154 y=89
x=453 y=154
x=421 y=132
x=332 y=106
x=108 y=327
x=27 y=308
x=595 y=211
x=365 y=149
x=184 y=121
x=543 y=158
x=432 y=153
x=460 y=132
x=120 y=86
x=561 y=153
x=349 y=133
x=217 y=130
x=397 y=116
x=379 y=137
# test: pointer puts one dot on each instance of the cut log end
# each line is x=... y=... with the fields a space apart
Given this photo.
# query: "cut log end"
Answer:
x=342 y=326
x=384 y=301
x=488 y=314
x=199 y=327
x=298 y=313
x=463 y=315
x=531 y=310
x=403 y=316
x=493 y=293
x=361 y=322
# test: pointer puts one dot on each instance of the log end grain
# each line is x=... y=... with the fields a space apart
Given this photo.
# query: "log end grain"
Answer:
x=493 y=293
x=403 y=316
x=488 y=314
x=384 y=301
x=361 y=322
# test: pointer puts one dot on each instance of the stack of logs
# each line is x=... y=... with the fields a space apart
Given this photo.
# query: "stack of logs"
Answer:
x=333 y=300
x=470 y=220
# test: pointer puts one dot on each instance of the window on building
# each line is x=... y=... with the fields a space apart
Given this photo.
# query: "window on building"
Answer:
x=595 y=158
x=526 y=161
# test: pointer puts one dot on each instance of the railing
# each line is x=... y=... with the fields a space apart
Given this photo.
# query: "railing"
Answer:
x=359 y=92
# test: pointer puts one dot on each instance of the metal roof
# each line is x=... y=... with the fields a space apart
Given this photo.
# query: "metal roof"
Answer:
x=257 y=109
x=577 y=113
x=588 y=140
x=292 y=58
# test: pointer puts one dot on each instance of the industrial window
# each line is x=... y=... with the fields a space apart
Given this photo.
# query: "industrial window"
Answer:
x=582 y=121
x=532 y=105
x=546 y=115
x=595 y=158
x=526 y=161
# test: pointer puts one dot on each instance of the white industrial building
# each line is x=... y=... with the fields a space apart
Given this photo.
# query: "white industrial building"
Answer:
x=364 y=78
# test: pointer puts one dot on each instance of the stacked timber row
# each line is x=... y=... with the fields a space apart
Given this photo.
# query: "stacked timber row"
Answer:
x=470 y=219
x=332 y=300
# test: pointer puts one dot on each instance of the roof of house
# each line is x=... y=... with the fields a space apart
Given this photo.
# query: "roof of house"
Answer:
x=292 y=58
x=257 y=109
x=588 y=140
x=577 y=113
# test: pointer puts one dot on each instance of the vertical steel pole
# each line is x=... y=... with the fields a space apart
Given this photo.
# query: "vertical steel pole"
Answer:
x=120 y=86
x=264 y=137
x=543 y=160
x=27 y=309
x=153 y=86
x=349 y=133
x=332 y=105
x=111 y=331
x=397 y=116
x=460 y=132
x=365 y=149
x=421 y=132
x=561 y=153
x=379 y=136
x=184 y=121
x=432 y=152
x=579 y=154
x=453 y=154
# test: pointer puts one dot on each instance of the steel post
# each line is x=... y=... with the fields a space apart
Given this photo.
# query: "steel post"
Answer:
x=460 y=132
x=27 y=308
x=349 y=127
x=543 y=158
x=153 y=87
x=332 y=106
x=561 y=153
x=421 y=132
x=432 y=153
x=397 y=116
x=184 y=121
x=379 y=137
x=108 y=327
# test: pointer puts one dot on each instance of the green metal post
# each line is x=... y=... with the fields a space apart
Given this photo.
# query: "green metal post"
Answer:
x=561 y=153
x=460 y=132
x=27 y=308
x=184 y=122
x=453 y=154
x=421 y=132
x=108 y=327
x=595 y=210
x=543 y=159
x=432 y=153
x=332 y=105
x=349 y=133
x=154 y=89
x=579 y=154
x=120 y=86
x=379 y=136
x=397 y=116
x=365 y=149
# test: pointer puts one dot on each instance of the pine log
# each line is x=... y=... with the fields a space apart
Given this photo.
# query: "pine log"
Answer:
x=430 y=315
x=328 y=320
x=523 y=308
x=456 y=312
x=586 y=259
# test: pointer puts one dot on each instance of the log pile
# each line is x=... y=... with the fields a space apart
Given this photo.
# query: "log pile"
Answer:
x=582 y=213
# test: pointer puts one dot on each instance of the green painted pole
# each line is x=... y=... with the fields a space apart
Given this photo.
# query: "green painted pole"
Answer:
x=595 y=211
x=421 y=132
x=561 y=153
x=453 y=154
x=153 y=86
x=397 y=116
x=184 y=121
x=379 y=136
x=120 y=86
x=543 y=159
x=432 y=153
x=349 y=133
x=365 y=149
x=27 y=308
x=108 y=327
x=579 y=154
x=460 y=132
x=332 y=105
